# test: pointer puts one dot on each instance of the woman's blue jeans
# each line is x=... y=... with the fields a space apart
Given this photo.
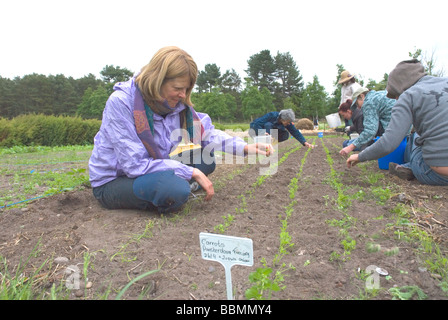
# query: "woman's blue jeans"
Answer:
x=423 y=172
x=162 y=191
x=348 y=142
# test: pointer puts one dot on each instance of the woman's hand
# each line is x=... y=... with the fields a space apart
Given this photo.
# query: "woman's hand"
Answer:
x=309 y=145
x=204 y=182
x=347 y=150
x=259 y=148
x=353 y=160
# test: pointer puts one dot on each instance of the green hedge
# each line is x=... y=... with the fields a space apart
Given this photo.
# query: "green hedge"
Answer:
x=231 y=126
x=43 y=130
x=52 y=131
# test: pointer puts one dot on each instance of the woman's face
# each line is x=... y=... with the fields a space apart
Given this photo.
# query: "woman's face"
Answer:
x=175 y=90
x=360 y=100
x=285 y=123
x=347 y=115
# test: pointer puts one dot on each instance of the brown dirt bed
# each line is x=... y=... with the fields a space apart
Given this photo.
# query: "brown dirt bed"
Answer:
x=73 y=223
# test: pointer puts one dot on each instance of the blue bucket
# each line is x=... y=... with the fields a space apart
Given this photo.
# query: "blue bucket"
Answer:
x=320 y=134
x=396 y=156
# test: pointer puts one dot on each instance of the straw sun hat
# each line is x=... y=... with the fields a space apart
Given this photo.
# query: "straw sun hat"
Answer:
x=345 y=76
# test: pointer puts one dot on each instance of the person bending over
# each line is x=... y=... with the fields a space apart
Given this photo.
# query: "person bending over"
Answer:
x=422 y=102
x=280 y=121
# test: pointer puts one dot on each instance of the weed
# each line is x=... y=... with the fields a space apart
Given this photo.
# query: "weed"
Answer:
x=28 y=286
x=407 y=292
x=433 y=258
x=334 y=256
x=122 y=292
x=391 y=252
x=359 y=195
x=147 y=233
x=444 y=286
x=372 y=247
x=326 y=197
x=381 y=194
x=373 y=178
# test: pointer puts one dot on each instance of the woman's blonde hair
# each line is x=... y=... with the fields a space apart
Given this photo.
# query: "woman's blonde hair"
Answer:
x=168 y=63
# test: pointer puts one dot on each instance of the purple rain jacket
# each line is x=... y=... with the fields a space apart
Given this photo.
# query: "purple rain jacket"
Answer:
x=118 y=151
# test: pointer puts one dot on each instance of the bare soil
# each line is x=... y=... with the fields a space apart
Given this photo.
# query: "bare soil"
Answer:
x=123 y=244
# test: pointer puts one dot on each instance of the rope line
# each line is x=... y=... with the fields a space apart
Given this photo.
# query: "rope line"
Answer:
x=15 y=203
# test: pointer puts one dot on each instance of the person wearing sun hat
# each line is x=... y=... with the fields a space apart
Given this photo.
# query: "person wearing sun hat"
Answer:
x=360 y=91
x=349 y=86
x=376 y=108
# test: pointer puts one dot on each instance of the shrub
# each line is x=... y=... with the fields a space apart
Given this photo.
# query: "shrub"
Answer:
x=5 y=128
x=42 y=130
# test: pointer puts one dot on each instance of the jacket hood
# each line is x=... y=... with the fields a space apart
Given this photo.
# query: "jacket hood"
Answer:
x=124 y=85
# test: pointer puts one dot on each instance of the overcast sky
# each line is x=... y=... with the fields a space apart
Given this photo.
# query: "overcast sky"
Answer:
x=79 y=37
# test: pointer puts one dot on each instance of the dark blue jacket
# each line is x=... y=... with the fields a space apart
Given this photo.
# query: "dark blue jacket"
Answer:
x=270 y=121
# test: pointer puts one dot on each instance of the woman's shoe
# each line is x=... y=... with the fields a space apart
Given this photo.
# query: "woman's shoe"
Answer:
x=400 y=171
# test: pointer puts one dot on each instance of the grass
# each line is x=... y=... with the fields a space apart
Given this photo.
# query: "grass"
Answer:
x=34 y=172
x=23 y=284
x=232 y=126
x=25 y=169
x=125 y=251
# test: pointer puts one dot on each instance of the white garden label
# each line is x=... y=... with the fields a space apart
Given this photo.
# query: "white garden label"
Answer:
x=228 y=251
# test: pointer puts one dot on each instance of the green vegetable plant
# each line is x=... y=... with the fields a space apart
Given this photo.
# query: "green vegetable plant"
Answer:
x=265 y=280
x=264 y=283
x=221 y=228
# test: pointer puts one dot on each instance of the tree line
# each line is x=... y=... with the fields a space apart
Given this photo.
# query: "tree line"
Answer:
x=273 y=82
